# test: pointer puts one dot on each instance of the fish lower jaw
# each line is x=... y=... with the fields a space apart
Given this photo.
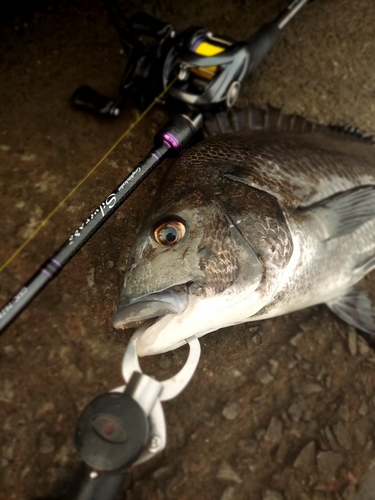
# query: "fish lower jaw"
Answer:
x=199 y=318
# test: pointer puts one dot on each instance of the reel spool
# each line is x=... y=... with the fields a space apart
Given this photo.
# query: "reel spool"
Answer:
x=212 y=69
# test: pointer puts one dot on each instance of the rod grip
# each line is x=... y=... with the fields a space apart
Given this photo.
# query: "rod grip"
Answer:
x=261 y=43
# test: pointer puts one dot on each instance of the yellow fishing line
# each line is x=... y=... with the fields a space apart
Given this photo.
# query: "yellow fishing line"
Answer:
x=52 y=213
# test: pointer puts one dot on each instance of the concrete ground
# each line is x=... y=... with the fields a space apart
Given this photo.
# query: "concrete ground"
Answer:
x=278 y=410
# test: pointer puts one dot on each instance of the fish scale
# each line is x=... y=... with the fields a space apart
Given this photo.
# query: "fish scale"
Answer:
x=280 y=163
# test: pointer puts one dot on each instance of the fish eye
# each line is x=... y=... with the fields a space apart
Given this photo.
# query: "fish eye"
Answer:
x=169 y=233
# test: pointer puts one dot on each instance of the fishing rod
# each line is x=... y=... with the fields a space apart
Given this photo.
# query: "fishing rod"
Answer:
x=126 y=426
x=193 y=73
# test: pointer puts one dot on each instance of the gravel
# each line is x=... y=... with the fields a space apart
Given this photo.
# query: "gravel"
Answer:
x=231 y=411
x=328 y=464
x=274 y=430
x=306 y=456
x=226 y=473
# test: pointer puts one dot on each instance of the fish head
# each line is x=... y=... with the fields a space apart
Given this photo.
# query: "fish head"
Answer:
x=188 y=270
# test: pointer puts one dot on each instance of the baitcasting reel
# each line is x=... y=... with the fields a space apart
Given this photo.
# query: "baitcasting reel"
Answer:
x=209 y=70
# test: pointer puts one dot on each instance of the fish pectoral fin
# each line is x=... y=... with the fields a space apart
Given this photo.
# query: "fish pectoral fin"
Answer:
x=355 y=308
x=345 y=212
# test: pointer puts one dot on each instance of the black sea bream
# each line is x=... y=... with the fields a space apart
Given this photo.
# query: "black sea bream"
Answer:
x=274 y=217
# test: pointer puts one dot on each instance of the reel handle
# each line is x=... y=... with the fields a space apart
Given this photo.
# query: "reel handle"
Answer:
x=87 y=99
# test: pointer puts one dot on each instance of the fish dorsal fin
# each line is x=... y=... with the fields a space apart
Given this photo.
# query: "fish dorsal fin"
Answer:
x=344 y=212
x=353 y=133
x=355 y=308
x=252 y=117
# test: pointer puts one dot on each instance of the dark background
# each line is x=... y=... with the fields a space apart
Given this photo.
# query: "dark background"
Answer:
x=278 y=410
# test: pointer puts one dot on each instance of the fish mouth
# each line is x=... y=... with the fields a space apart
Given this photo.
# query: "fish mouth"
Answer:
x=133 y=313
